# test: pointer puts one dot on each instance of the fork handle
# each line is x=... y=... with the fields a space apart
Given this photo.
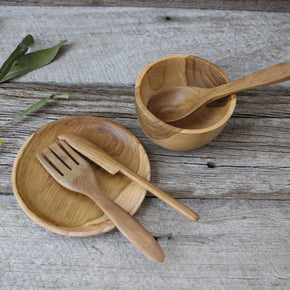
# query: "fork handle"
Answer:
x=130 y=228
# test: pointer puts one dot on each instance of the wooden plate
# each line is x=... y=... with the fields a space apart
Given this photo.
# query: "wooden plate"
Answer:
x=65 y=212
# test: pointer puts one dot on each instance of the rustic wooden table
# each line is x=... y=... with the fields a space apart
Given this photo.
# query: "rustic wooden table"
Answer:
x=239 y=183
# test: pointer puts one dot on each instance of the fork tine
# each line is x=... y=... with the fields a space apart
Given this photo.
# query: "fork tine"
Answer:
x=62 y=155
x=50 y=169
x=55 y=161
x=72 y=152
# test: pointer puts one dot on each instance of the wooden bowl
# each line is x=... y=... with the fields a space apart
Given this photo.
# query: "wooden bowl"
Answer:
x=65 y=212
x=200 y=127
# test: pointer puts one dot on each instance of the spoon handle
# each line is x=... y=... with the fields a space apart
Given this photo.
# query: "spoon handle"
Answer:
x=272 y=75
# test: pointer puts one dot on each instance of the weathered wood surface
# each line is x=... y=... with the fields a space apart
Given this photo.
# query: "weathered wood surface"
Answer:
x=111 y=45
x=251 y=155
x=265 y=5
x=237 y=244
x=239 y=183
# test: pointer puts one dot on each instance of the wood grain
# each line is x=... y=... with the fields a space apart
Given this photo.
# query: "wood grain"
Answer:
x=176 y=103
x=81 y=177
x=198 y=128
x=64 y=211
x=236 y=243
x=250 y=159
x=111 y=45
x=271 y=5
x=111 y=165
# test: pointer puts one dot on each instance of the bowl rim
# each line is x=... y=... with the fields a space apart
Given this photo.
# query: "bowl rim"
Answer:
x=163 y=124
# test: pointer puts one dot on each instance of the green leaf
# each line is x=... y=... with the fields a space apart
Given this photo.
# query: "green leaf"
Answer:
x=20 y=50
x=32 y=61
x=34 y=107
x=63 y=96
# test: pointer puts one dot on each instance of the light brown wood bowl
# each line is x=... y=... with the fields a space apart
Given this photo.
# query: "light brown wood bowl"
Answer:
x=65 y=212
x=200 y=127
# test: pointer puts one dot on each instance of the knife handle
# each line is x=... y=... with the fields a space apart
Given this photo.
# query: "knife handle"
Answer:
x=164 y=196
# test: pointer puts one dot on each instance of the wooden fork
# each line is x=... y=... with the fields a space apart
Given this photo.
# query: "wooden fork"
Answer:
x=72 y=171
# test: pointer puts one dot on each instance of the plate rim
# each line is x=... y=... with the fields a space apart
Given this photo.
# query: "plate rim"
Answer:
x=65 y=230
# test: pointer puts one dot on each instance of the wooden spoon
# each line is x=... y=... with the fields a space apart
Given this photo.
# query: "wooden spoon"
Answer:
x=178 y=102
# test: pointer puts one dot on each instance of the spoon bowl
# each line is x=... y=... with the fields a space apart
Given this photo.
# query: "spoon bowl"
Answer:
x=174 y=103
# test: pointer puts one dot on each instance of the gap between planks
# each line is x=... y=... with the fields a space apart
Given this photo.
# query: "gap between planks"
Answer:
x=106 y=89
x=251 y=5
x=149 y=196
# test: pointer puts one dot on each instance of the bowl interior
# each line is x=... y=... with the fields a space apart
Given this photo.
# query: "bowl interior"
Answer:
x=187 y=70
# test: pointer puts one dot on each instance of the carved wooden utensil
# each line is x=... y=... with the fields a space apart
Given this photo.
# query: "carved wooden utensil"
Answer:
x=100 y=157
x=73 y=172
x=178 y=102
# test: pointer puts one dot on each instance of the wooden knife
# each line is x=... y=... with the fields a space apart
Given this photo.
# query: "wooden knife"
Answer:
x=110 y=164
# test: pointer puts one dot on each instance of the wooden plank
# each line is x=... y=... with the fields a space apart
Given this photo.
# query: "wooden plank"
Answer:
x=237 y=244
x=280 y=5
x=268 y=102
x=251 y=156
x=111 y=45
